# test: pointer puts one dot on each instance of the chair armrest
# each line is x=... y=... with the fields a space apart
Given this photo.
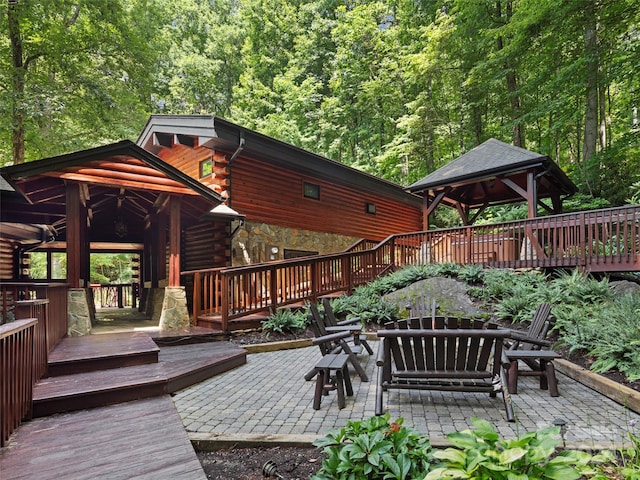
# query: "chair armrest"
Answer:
x=380 y=356
x=344 y=328
x=522 y=337
x=349 y=321
x=331 y=337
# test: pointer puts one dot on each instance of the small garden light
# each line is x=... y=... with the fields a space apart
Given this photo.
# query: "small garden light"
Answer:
x=269 y=469
x=559 y=422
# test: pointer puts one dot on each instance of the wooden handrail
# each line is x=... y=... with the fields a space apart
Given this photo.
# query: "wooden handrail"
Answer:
x=16 y=374
x=598 y=240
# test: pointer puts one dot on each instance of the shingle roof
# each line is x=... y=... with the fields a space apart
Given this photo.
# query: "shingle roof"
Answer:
x=491 y=158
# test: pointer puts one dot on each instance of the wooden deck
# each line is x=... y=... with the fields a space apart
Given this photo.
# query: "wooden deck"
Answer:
x=144 y=439
x=96 y=352
x=97 y=383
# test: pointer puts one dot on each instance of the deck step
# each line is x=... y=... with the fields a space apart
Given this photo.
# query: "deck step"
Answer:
x=101 y=352
x=251 y=321
x=178 y=367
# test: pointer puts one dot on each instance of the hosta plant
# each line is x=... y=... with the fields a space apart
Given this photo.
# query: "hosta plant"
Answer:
x=374 y=448
x=481 y=455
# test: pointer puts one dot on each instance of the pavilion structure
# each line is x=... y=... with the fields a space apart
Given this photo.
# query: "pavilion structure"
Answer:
x=494 y=173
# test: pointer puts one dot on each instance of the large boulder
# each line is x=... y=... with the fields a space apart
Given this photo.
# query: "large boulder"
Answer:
x=450 y=294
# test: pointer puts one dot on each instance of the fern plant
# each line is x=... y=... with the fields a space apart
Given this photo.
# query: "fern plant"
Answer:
x=285 y=320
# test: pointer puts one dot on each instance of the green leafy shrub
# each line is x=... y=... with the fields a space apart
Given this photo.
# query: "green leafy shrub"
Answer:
x=472 y=274
x=480 y=454
x=608 y=332
x=629 y=466
x=367 y=305
x=285 y=321
x=374 y=448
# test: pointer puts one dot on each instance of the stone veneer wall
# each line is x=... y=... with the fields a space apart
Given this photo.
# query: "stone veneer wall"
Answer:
x=254 y=242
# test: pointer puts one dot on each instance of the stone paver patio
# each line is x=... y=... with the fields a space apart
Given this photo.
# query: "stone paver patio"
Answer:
x=269 y=396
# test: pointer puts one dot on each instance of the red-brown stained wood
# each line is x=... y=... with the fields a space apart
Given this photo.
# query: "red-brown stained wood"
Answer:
x=141 y=439
x=74 y=235
x=268 y=193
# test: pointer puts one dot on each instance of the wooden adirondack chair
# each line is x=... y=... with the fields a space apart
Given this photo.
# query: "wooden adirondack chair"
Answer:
x=533 y=349
x=456 y=355
x=352 y=324
x=535 y=337
x=334 y=342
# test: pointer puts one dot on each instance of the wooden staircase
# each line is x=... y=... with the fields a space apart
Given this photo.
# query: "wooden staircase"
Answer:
x=98 y=370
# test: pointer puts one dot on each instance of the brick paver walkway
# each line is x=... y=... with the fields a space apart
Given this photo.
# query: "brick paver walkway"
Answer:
x=269 y=396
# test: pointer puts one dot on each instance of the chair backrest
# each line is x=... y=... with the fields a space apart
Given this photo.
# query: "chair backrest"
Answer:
x=452 y=345
x=541 y=323
x=316 y=320
x=329 y=316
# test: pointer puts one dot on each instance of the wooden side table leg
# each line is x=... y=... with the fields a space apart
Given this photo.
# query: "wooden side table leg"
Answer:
x=544 y=384
x=512 y=380
x=340 y=388
x=317 y=396
x=347 y=381
x=551 y=377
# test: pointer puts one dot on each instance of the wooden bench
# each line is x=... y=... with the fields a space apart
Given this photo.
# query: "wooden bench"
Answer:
x=332 y=374
x=461 y=355
x=544 y=368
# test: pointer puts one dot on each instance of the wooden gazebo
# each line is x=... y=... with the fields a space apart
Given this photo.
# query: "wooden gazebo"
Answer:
x=117 y=197
x=494 y=173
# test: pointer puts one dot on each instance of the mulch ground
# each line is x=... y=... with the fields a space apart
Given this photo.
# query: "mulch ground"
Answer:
x=249 y=463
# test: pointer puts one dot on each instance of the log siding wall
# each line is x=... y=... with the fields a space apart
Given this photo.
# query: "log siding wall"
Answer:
x=271 y=194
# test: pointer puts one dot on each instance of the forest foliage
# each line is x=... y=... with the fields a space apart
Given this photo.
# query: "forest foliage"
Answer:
x=396 y=88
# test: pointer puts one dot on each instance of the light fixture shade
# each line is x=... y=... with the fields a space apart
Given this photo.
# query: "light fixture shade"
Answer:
x=225 y=211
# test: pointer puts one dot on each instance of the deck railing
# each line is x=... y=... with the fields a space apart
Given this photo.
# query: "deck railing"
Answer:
x=16 y=374
x=33 y=320
x=598 y=241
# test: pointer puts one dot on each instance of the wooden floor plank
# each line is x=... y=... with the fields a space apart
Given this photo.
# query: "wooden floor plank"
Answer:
x=99 y=352
x=178 y=367
x=94 y=346
x=142 y=439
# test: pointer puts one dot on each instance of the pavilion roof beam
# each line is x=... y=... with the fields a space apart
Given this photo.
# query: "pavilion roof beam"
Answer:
x=180 y=190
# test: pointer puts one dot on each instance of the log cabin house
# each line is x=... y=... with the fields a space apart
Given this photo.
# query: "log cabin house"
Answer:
x=294 y=203
x=196 y=192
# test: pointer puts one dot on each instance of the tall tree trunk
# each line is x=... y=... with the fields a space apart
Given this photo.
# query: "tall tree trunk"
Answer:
x=430 y=121
x=602 y=104
x=17 y=82
x=518 y=136
x=591 y=77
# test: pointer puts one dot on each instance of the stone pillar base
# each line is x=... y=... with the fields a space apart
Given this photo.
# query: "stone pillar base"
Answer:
x=81 y=312
x=175 y=315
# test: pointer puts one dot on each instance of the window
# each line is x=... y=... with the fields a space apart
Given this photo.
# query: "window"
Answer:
x=311 y=191
x=370 y=208
x=206 y=167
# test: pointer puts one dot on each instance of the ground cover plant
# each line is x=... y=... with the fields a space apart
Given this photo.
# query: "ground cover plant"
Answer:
x=377 y=448
x=591 y=320
x=285 y=320
x=374 y=448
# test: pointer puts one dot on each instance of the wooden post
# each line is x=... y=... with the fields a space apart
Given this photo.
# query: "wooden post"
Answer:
x=74 y=236
x=532 y=196
x=224 y=300
x=174 y=242
x=159 y=266
x=425 y=211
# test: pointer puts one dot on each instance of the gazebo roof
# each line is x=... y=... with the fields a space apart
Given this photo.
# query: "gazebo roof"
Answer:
x=471 y=178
